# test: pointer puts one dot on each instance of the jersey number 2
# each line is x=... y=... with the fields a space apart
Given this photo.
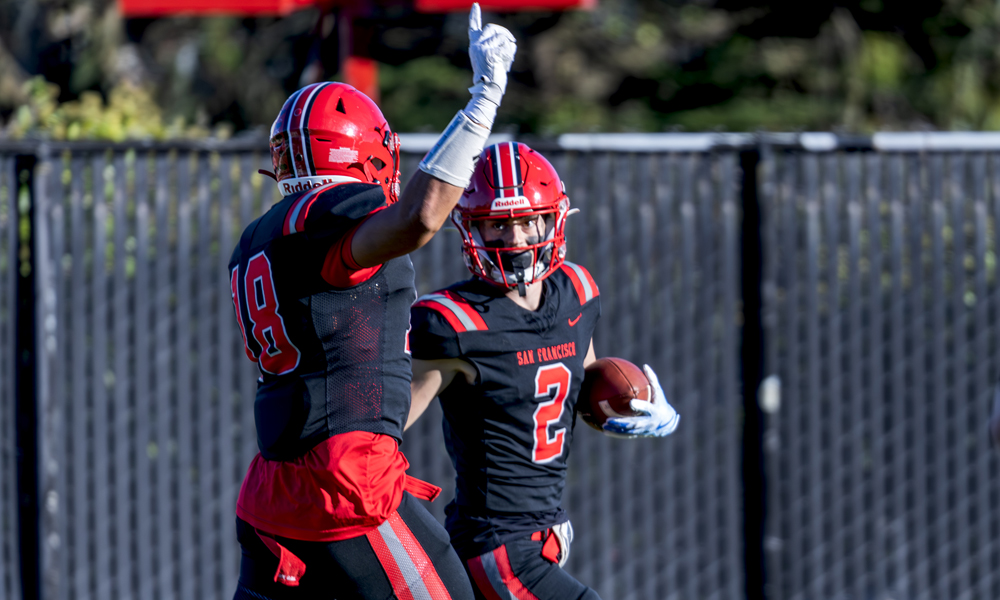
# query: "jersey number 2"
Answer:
x=275 y=352
x=546 y=448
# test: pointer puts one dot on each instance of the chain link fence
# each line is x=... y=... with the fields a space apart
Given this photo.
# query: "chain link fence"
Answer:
x=144 y=422
x=9 y=531
x=879 y=293
x=881 y=304
x=659 y=233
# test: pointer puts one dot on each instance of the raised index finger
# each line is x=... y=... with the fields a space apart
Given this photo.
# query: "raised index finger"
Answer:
x=475 y=18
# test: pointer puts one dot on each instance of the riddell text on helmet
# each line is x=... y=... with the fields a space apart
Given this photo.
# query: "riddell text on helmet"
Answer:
x=307 y=184
x=508 y=203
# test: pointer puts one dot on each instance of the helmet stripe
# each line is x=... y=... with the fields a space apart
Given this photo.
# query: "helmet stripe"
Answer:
x=497 y=171
x=304 y=124
x=303 y=98
x=288 y=126
x=515 y=163
x=507 y=170
x=510 y=168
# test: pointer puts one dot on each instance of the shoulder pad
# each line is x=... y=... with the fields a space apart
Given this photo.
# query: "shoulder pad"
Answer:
x=586 y=287
x=339 y=201
x=455 y=309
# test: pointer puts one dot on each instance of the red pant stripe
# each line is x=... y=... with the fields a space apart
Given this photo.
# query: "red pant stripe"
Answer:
x=513 y=584
x=397 y=578
x=496 y=576
x=482 y=580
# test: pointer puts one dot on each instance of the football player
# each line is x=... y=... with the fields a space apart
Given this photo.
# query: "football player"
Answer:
x=506 y=351
x=322 y=287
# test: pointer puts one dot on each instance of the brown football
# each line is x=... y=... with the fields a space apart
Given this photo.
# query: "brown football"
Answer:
x=608 y=385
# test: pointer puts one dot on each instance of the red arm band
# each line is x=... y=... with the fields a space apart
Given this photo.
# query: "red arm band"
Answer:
x=339 y=267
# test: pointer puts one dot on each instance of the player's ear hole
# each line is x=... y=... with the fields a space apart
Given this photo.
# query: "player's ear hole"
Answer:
x=378 y=163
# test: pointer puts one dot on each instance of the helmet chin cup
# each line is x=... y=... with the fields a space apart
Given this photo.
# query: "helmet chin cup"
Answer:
x=517 y=262
x=511 y=267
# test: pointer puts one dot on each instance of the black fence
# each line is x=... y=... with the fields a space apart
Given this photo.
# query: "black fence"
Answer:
x=881 y=311
x=660 y=234
x=847 y=287
x=10 y=577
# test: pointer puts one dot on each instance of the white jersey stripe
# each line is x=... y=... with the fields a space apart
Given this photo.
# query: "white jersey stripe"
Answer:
x=587 y=290
x=493 y=574
x=412 y=575
x=295 y=212
x=299 y=204
x=450 y=304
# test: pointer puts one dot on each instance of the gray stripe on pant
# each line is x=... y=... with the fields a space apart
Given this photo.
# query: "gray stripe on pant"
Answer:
x=410 y=572
x=493 y=574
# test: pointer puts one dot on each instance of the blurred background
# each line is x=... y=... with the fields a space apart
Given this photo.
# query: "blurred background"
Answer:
x=791 y=209
x=607 y=65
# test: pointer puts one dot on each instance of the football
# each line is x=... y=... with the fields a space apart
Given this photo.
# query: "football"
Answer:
x=608 y=385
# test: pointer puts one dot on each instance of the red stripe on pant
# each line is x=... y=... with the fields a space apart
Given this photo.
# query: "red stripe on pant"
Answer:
x=495 y=578
x=480 y=579
x=411 y=573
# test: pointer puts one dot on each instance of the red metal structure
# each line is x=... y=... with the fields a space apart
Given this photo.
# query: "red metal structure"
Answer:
x=244 y=8
x=437 y=6
x=357 y=67
x=250 y=8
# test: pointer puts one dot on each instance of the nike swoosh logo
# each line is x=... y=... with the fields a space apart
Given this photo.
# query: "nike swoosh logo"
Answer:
x=573 y=322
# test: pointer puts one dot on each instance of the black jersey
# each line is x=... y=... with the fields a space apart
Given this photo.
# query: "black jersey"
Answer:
x=332 y=359
x=509 y=433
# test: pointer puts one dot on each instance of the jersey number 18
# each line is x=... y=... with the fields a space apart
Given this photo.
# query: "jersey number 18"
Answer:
x=273 y=351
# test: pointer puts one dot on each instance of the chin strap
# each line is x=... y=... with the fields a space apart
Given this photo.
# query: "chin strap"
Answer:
x=522 y=290
x=268 y=173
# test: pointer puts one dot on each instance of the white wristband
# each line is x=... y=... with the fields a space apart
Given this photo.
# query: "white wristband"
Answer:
x=482 y=108
x=453 y=157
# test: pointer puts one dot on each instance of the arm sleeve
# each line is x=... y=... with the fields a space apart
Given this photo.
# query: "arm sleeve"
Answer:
x=431 y=337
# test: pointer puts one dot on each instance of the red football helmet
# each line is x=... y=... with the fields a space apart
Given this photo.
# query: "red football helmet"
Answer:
x=329 y=133
x=512 y=180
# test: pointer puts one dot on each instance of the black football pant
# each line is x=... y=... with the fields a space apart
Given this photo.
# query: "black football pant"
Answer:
x=518 y=570
x=408 y=556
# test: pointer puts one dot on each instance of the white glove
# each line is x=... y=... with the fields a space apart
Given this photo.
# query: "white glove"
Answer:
x=659 y=418
x=563 y=533
x=491 y=52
